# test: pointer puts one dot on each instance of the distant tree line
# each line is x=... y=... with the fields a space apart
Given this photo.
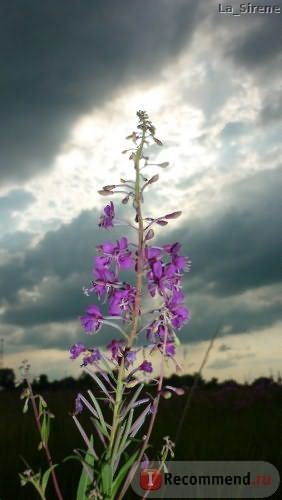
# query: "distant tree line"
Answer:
x=7 y=381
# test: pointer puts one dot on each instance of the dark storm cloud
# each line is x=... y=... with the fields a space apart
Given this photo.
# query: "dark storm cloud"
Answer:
x=209 y=316
x=232 y=253
x=271 y=112
x=240 y=249
x=60 y=253
x=60 y=59
x=58 y=300
x=261 y=44
x=60 y=265
x=14 y=201
x=18 y=241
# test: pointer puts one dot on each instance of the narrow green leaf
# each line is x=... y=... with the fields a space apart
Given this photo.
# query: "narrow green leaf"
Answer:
x=47 y=428
x=84 y=478
x=99 y=411
x=127 y=429
x=100 y=383
x=139 y=421
x=25 y=407
x=71 y=457
x=84 y=435
x=88 y=405
x=106 y=476
x=97 y=423
x=40 y=408
x=44 y=404
x=44 y=429
x=132 y=401
x=46 y=476
x=118 y=438
x=122 y=473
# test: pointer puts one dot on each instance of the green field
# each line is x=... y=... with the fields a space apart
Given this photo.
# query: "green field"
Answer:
x=242 y=423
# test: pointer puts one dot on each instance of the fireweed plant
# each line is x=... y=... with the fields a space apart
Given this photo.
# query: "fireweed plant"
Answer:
x=118 y=375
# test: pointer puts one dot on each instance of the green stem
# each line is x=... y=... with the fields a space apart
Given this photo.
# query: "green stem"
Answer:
x=119 y=391
x=136 y=311
x=44 y=445
x=133 y=469
x=140 y=251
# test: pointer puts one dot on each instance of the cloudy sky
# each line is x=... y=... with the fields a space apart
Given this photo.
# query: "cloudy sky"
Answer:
x=73 y=75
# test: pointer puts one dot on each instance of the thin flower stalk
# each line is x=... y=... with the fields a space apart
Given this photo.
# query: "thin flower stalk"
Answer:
x=162 y=268
x=44 y=444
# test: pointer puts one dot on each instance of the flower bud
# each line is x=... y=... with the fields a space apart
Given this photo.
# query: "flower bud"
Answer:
x=103 y=192
x=153 y=179
x=178 y=390
x=161 y=222
x=109 y=188
x=173 y=215
x=166 y=394
x=164 y=164
x=133 y=136
x=157 y=141
x=150 y=234
x=125 y=200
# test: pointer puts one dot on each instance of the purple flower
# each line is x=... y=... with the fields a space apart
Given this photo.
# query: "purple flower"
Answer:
x=156 y=331
x=78 y=405
x=146 y=366
x=115 y=347
x=170 y=349
x=94 y=356
x=101 y=262
x=130 y=358
x=92 y=320
x=180 y=262
x=76 y=350
x=181 y=315
x=119 y=253
x=105 y=279
x=122 y=301
x=152 y=253
x=172 y=249
x=106 y=219
x=161 y=277
x=177 y=311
